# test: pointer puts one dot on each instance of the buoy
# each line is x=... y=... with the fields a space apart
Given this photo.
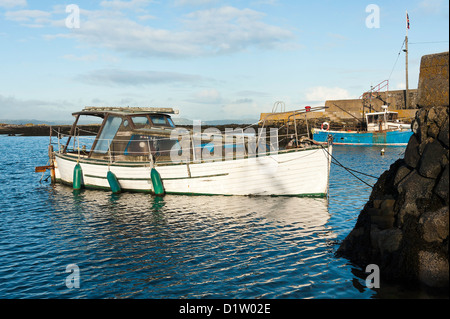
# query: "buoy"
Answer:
x=382 y=151
x=77 y=177
x=158 y=187
x=323 y=124
x=113 y=182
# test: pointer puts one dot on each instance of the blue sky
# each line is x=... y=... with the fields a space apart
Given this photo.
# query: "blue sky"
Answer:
x=210 y=59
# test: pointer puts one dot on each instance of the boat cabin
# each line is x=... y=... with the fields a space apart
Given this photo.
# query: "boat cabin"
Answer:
x=149 y=135
x=128 y=132
x=384 y=121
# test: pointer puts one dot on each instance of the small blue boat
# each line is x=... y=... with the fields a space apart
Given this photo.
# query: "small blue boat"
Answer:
x=383 y=129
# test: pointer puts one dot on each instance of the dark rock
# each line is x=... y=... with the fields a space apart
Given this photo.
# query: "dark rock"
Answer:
x=433 y=269
x=435 y=225
x=424 y=144
x=442 y=186
x=412 y=155
x=387 y=207
x=430 y=163
x=416 y=186
x=402 y=172
x=441 y=115
x=433 y=130
x=421 y=120
x=383 y=222
x=443 y=135
x=389 y=240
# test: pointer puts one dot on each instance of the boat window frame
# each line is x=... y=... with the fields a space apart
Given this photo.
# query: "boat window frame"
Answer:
x=159 y=115
x=105 y=119
x=168 y=121
x=392 y=116
x=72 y=132
x=133 y=124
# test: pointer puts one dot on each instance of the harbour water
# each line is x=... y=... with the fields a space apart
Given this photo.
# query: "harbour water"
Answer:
x=139 y=246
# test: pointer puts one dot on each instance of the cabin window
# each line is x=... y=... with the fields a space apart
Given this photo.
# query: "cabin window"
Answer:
x=140 y=121
x=158 y=120
x=392 y=117
x=109 y=130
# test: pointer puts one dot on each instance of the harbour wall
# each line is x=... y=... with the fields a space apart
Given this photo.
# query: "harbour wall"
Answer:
x=353 y=108
x=348 y=113
x=404 y=227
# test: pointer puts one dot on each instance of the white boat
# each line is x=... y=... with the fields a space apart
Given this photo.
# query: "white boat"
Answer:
x=140 y=149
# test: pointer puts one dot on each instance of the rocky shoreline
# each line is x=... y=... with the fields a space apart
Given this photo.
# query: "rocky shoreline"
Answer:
x=404 y=227
x=44 y=129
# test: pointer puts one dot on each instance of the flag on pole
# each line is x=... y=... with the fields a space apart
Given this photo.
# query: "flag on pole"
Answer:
x=407 y=20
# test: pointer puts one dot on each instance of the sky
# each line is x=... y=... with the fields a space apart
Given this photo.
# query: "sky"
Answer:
x=210 y=59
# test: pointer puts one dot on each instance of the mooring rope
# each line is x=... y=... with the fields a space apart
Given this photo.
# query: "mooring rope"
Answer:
x=349 y=169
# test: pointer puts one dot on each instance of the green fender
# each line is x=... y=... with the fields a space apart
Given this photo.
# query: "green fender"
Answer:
x=158 y=187
x=77 y=177
x=113 y=182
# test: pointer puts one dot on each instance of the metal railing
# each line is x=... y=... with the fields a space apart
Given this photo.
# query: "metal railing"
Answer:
x=202 y=146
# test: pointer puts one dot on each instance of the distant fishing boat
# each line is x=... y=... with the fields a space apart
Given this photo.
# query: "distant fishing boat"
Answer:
x=141 y=150
x=382 y=128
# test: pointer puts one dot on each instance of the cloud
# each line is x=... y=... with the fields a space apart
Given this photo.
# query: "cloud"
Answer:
x=242 y=109
x=121 y=5
x=247 y=93
x=13 y=3
x=433 y=6
x=228 y=29
x=202 y=33
x=322 y=94
x=13 y=108
x=206 y=96
x=146 y=17
x=193 y=2
x=37 y=16
x=243 y=101
x=118 y=77
x=83 y=58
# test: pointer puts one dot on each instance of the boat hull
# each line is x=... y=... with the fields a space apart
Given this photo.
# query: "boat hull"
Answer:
x=291 y=173
x=384 y=138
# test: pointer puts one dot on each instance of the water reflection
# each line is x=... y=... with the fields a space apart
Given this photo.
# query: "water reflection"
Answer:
x=302 y=214
x=193 y=246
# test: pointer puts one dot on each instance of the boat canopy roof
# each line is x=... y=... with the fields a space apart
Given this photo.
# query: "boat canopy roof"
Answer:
x=121 y=111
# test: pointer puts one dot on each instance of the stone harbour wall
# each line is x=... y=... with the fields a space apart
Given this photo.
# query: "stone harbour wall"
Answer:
x=404 y=227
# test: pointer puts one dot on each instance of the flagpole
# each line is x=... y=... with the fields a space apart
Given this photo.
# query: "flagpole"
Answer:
x=406 y=57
